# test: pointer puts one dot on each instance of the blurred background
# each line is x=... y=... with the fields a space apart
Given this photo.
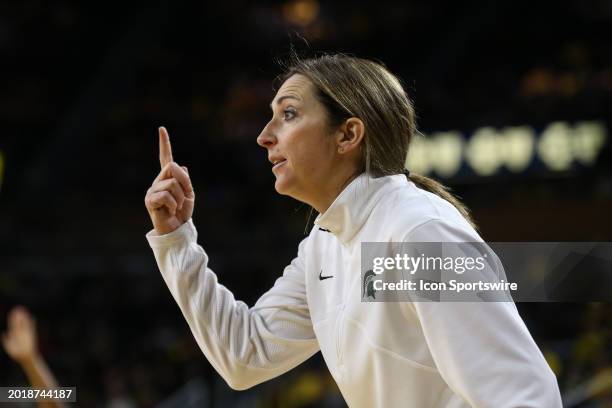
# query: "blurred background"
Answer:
x=514 y=99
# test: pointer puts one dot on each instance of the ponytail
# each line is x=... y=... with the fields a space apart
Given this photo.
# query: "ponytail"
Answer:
x=442 y=191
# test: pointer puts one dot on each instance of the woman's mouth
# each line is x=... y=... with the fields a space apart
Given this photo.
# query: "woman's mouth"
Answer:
x=278 y=163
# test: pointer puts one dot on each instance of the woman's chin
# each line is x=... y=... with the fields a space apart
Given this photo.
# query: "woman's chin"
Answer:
x=282 y=186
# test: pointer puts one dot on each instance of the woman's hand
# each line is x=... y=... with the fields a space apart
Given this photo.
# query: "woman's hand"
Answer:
x=171 y=198
x=21 y=341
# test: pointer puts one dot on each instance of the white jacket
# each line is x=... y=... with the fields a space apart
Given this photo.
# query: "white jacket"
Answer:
x=394 y=354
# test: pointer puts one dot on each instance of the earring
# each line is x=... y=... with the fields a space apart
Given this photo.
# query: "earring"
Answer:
x=340 y=150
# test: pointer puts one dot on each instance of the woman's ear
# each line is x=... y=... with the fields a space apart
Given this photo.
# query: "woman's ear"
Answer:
x=350 y=135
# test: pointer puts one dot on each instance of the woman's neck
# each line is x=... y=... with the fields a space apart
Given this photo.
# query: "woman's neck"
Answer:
x=327 y=195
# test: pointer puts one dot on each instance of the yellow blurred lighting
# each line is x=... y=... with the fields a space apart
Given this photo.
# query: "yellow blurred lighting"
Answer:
x=447 y=153
x=418 y=160
x=518 y=147
x=558 y=147
x=589 y=139
x=554 y=147
x=483 y=151
x=301 y=12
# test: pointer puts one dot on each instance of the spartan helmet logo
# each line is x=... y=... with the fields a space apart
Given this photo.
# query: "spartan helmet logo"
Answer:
x=368 y=285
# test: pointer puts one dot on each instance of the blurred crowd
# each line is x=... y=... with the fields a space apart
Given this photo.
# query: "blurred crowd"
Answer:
x=86 y=86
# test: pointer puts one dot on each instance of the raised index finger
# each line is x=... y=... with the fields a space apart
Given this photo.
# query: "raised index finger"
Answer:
x=165 y=150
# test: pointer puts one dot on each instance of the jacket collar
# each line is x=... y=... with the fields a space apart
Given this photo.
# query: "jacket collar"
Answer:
x=352 y=207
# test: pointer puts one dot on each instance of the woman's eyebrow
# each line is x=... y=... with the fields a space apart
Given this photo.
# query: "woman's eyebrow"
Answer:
x=279 y=100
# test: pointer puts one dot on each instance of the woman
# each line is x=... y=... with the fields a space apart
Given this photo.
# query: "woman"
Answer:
x=337 y=140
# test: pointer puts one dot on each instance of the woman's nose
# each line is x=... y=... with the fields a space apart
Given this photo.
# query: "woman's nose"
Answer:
x=266 y=138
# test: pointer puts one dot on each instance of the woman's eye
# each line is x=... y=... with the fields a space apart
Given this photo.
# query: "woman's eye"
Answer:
x=288 y=114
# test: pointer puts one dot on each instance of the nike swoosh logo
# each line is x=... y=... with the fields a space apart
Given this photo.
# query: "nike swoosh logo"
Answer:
x=321 y=277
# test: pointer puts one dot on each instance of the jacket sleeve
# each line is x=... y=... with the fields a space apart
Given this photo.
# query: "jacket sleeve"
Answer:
x=245 y=345
x=483 y=350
